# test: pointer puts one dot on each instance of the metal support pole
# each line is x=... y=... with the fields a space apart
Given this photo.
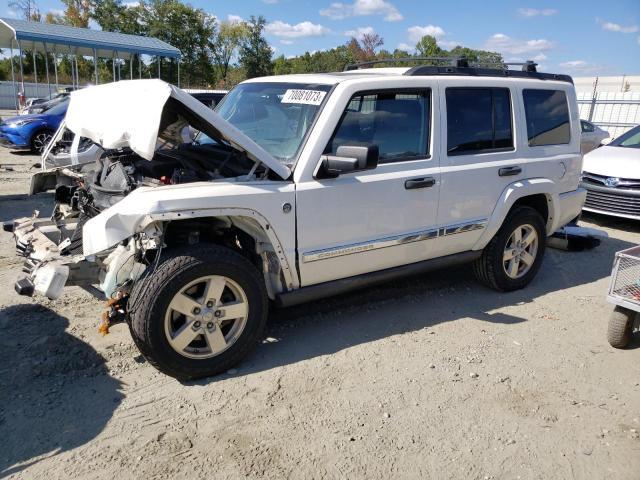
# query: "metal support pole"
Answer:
x=131 y=66
x=21 y=69
x=46 y=66
x=178 y=62
x=77 y=72
x=159 y=66
x=55 y=69
x=73 y=83
x=594 y=97
x=113 y=65
x=73 y=73
x=140 y=66
x=35 y=68
x=119 y=73
x=95 y=65
x=13 y=78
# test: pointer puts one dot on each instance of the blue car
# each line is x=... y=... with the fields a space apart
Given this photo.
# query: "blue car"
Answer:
x=32 y=132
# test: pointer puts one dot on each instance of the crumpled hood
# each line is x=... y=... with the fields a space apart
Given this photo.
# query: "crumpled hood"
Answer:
x=129 y=114
x=618 y=162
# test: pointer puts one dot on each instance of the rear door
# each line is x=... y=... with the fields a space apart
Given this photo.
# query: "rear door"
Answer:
x=479 y=158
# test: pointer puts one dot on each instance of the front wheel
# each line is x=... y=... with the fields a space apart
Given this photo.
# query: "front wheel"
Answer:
x=199 y=313
x=513 y=257
x=40 y=141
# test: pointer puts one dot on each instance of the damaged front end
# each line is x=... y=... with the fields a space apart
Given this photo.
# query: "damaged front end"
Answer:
x=51 y=264
x=48 y=263
x=103 y=151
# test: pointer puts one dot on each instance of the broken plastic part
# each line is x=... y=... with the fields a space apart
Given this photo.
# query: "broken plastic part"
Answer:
x=121 y=267
x=50 y=279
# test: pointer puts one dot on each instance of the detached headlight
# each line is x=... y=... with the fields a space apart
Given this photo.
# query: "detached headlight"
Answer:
x=20 y=123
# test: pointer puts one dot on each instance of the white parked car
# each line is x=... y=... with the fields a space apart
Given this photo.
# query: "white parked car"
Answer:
x=611 y=176
x=300 y=187
x=592 y=136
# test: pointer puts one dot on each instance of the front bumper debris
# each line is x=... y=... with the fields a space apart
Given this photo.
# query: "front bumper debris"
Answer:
x=42 y=243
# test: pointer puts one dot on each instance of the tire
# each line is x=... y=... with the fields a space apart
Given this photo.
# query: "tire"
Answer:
x=490 y=268
x=40 y=140
x=155 y=324
x=620 y=327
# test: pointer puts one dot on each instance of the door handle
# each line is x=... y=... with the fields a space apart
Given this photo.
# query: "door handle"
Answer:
x=509 y=171
x=425 y=182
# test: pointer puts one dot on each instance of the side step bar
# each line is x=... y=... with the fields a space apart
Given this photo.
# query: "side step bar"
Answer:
x=344 y=285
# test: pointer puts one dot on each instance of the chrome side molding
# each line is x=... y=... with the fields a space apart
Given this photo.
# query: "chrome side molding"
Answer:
x=385 y=242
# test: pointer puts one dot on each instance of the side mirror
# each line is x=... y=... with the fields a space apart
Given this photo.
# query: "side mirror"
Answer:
x=349 y=158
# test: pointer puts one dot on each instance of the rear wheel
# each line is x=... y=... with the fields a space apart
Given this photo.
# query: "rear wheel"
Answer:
x=40 y=140
x=199 y=313
x=514 y=255
x=620 y=327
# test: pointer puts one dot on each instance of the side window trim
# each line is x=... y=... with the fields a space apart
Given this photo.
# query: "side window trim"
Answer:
x=426 y=91
x=493 y=122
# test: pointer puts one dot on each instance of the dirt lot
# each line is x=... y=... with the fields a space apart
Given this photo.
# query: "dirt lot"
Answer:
x=434 y=377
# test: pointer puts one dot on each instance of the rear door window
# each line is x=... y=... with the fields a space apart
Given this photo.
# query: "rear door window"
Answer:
x=478 y=120
x=547 y=115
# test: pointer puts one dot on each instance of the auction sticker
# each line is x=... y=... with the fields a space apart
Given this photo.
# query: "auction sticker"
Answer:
x=306 y=97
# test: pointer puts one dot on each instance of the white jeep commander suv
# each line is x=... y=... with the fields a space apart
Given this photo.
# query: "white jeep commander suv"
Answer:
x=299 y=187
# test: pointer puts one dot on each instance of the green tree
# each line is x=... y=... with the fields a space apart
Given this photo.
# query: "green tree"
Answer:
x=255 y=52
x=281 y=66
x=427 y=46
x=476 y=56
x=114 y=16
x=230 y=37
x=186 y=28
x=77 y=12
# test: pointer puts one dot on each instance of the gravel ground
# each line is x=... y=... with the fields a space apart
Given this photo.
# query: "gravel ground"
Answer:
x=432 y=377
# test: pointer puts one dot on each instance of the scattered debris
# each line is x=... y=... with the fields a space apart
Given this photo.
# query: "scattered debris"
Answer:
x=576 y=239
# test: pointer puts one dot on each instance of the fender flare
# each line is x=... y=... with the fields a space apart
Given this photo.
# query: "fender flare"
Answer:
x=512 y=193
x=290 y=277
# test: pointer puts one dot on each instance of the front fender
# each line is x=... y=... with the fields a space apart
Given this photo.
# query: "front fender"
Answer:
x=144 y=206
x=512 y=193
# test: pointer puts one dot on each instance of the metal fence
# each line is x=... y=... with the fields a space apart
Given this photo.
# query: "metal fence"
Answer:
x=615 y=112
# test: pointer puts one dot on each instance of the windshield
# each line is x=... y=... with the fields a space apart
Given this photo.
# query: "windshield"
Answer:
x=277 y=116
x=58 y=108
x=631 y=139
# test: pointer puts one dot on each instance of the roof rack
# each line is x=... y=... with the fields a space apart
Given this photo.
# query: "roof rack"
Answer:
x=461 y=66
x=358 y=65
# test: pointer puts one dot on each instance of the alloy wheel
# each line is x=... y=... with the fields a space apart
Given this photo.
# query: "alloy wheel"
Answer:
x=40 y=141
x=206 y=317
x=520 y=251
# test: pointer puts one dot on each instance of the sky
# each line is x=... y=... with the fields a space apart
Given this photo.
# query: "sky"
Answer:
x=579 y=37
